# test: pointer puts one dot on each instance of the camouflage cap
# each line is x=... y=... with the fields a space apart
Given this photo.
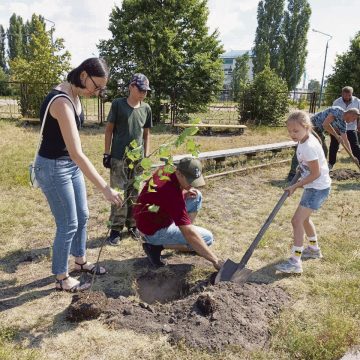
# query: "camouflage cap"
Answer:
x=141 y=81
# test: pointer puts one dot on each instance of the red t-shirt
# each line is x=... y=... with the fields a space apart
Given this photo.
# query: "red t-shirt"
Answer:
x=169 y=197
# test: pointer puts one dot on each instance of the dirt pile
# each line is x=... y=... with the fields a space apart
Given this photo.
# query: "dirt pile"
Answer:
x=224 y=314
x=344 y=174
x=86 y=306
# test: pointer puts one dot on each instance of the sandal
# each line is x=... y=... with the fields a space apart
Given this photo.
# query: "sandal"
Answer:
x=94 y=269
x=73 y=289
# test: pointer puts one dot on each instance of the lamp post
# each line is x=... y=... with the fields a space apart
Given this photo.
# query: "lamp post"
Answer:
x=326 y=49
x=51 y=33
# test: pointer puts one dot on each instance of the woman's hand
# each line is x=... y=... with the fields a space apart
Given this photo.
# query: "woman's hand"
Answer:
x=112 y=196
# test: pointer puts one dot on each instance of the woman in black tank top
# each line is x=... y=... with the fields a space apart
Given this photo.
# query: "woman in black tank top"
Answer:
x=60 y=166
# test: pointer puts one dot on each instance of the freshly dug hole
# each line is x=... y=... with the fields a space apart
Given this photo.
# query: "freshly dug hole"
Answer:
x=162 y=286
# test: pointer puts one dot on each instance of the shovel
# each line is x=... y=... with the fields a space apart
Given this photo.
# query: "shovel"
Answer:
x=238 y=273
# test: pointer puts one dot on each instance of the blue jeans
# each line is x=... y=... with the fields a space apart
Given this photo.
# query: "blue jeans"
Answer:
x=313 y=198
x=172 y=235
x=63 y=184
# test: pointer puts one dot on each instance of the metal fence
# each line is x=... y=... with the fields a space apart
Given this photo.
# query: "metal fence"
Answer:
x=16 y=98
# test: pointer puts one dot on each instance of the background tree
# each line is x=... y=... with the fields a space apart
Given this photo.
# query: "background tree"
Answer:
x=240 y=75
x=43 y=66
x=15 y=37
x=169 y=42
x=314 y=85
x=295 y=27
x=266 y=50
x=265 y=100
x=2 y=49
x=346 y=71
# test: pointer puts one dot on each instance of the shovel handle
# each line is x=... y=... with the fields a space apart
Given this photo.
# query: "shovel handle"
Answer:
x=268 y=221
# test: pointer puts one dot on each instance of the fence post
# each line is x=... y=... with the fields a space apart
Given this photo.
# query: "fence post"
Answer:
x=312 y=108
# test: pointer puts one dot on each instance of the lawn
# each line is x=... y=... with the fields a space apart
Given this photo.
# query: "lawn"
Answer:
x=320 y=321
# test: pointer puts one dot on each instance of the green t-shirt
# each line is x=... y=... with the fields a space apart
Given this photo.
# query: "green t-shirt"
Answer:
x=129 y=125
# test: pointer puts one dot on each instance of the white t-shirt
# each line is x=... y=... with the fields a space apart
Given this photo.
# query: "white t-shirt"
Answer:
x=355 y=103
x=311 y=150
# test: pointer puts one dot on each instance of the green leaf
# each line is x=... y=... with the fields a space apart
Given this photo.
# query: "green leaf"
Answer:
x=153 y=208
x=133 y=144
x=164 y=177
x=146 y=163
x=152 y=184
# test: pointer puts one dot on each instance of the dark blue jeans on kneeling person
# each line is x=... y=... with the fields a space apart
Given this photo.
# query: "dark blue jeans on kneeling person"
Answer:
x=63 y=184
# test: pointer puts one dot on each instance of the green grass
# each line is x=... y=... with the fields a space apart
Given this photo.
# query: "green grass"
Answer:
x=322 y=321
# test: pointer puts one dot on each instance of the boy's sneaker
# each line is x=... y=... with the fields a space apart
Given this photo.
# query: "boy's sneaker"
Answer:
x=114 y=238
x=290 y=266
x=309 y=253
x=153 y=253
x=134 y=233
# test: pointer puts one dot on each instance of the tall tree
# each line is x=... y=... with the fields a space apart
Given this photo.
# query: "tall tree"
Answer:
x=2 y=49
x=346 y=70
x=266 y=50
x=43 y=66
x=15 y=37
x=30 y=28
x=240 y=75
x=167 y=40
x=295 y=27
x=314 y=85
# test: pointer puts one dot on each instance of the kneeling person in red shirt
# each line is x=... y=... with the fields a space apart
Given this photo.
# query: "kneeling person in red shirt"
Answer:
x=178 y=202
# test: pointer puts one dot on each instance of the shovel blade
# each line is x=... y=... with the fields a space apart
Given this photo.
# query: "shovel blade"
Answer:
x=226 y=271
x=240 y=276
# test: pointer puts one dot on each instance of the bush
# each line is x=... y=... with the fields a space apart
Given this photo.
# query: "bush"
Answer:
x=265 y=100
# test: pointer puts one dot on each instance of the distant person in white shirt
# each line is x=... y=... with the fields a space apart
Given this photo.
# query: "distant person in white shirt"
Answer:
x=346 y=101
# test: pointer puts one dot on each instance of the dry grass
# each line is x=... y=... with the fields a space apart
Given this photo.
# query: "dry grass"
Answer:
x=322 y=322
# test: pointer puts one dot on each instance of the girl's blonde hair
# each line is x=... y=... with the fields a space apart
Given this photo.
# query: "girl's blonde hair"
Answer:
x=300 y=117
x=303 y=119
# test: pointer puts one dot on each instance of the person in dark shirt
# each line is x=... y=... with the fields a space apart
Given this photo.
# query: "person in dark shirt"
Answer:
x=165 y=212
x=60 y=166
x=129 y=119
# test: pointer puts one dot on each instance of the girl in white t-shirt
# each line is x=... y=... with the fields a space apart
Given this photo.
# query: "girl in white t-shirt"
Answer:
x=316 y=182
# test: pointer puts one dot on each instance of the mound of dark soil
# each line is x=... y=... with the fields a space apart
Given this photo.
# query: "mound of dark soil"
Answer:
x=344 y=174
x=224 y=314
x=86 y=306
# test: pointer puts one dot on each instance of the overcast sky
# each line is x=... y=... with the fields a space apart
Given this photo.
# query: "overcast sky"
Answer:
x=83 y=22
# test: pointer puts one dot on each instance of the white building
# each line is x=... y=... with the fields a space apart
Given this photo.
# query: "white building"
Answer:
x=229 y=59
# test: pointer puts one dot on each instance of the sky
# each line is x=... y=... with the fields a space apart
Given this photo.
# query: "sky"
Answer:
x=82 y=23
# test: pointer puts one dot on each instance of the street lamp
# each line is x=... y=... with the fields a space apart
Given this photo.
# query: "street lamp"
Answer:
x=326 y=49
x=51 y=32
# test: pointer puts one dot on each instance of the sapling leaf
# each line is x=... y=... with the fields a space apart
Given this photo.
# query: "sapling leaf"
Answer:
x=153 y=208
x=146 y=163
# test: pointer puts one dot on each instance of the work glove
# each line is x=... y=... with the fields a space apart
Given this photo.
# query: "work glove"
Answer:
x=107 y=161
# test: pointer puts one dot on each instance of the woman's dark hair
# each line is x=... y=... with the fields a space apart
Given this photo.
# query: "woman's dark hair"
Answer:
x=92 y=66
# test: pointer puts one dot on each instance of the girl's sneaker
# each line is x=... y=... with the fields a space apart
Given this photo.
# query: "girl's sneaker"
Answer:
x=290 y=266
x=309 y=253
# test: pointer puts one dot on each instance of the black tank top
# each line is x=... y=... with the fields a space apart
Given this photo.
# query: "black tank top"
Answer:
x=53 y=145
